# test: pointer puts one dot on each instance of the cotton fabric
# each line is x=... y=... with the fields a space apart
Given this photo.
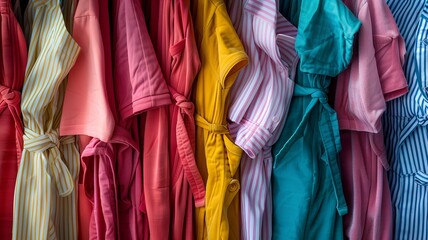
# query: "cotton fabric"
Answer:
x=139 y=86
x=144 y=89
x=111 y=184
x=89 y=78
x=260 y=99
x=13 y=62
x=217 y=157
x=45 y=186
x=171 y=31
x=374 y=77
x=405 y=126
x=89 y=81
x=308 y=199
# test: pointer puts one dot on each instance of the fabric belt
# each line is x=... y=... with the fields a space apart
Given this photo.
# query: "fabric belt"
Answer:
x=98 y=173
x=35 y=142
x=329 y=131
x=123 y=137
x=108 y=151
x=11 y=99
x=185 y=132
x=211 y=127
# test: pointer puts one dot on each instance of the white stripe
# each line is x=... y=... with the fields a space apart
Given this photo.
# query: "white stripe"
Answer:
x=260 y=95
x=409 y=195
x=39 y=213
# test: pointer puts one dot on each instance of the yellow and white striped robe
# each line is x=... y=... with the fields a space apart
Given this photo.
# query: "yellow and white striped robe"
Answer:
x=45 y=193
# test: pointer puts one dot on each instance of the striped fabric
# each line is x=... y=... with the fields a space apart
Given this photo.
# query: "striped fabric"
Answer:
x=405 y=125
x=45 y=200
x=260 y=100
x=66 y=217
x=375 y=76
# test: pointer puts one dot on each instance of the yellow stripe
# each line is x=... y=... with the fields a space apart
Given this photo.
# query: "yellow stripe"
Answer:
x=39 y=212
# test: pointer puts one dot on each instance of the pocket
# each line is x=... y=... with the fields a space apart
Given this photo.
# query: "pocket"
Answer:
x=421 y=178
x=234 y=154
x=421 y=54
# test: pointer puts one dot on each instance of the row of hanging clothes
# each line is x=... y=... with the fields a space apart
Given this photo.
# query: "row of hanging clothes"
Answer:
x=212 y=119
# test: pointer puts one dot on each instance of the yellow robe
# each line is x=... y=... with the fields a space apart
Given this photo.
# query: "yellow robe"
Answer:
x=222 y=57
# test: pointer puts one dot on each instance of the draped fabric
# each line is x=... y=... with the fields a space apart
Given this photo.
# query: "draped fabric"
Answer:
x=216 y=119
x=13 y=51
x=260 y=99
x=139 y=87
x=373 y=77
x=93 y=70
x=406 y=126
x=217 y=157
x=306 y=182
x=45 y=204
x=171 y=31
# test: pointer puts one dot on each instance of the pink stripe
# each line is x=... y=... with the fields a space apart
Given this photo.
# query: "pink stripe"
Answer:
x=263 y=9
x=260 y=93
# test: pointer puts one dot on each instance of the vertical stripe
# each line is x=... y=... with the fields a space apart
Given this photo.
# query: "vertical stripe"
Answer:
x=260 y=99
x=405 y=125
x=44 y=192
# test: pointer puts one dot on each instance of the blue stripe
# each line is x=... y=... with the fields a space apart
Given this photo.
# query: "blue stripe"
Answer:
x=405 y=125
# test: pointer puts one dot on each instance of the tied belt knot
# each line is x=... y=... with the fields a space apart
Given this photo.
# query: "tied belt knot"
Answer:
x=9 y=96
x=329 y=131
x=35 y=142
x=320 y=95
x=56 y=168
x=181 y=101
x=11 y=99
x=185 y=131
x=409 y=128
